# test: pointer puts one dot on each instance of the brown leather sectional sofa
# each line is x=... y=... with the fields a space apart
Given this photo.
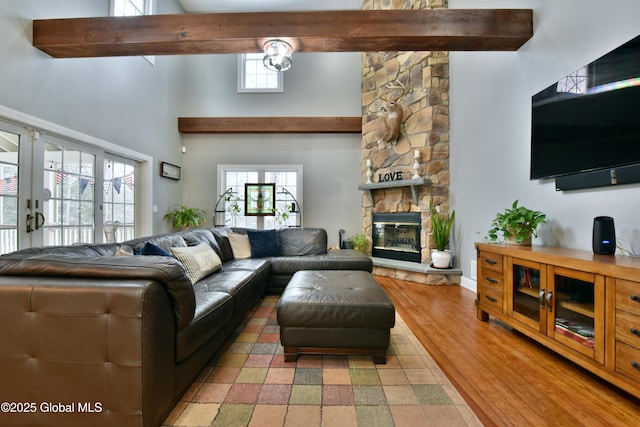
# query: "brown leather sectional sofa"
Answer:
x=91 y=338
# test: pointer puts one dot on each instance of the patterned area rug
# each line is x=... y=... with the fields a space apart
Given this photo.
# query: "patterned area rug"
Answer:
x=248 y=383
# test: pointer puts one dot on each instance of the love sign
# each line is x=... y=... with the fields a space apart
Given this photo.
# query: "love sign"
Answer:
x=392 y=176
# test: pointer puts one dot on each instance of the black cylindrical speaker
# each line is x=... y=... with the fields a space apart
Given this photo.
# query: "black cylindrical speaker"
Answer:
x=604 y=235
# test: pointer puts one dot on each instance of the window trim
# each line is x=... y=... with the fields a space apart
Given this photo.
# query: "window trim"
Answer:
x=242 y=74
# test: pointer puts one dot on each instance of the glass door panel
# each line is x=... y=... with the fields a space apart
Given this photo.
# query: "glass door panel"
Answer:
x=577 y=298
x=9 y=180
x=119 y=200
x=528 y=293
x=68 y=211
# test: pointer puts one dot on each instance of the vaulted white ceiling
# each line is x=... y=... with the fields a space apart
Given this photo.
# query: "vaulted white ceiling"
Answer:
x=267 y=5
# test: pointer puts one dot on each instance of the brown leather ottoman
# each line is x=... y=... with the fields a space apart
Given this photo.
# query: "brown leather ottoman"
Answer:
x=335 y=311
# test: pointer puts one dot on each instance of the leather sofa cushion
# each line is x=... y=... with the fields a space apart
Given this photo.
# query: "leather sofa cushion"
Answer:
x=345 y=259
x=111 y=248
x=302 y=241
x=335 y=299
x=213 y=311
x=257 y=265
x=237 y=283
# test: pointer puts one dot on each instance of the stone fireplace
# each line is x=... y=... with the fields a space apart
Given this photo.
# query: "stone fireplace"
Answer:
x=417 y=84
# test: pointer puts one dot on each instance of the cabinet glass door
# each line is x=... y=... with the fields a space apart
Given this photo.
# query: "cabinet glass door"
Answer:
x=528 y=291
x=578 y=297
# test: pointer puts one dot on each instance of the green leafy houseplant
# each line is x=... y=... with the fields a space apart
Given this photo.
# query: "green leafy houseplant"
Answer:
x=441 y=227
x=185 y=217
x=232 y=207
x=516 y=225
x=282 y=216
x=360 y=242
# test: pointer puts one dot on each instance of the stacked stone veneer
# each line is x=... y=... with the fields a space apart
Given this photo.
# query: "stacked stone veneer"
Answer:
x=425 y=127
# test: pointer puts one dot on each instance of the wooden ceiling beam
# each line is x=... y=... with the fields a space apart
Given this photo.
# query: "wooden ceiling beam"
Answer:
x=270 y=124
x=317 y=31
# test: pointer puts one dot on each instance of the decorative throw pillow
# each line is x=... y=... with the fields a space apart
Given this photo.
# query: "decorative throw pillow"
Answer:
x=240 y=245
x=151 y=249
x=124 y=251
x=198 y=261
x=264 y=243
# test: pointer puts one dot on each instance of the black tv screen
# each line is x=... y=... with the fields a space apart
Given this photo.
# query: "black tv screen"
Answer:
x=589 y=120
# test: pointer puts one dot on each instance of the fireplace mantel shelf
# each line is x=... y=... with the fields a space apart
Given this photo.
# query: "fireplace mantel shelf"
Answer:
x=415 y=184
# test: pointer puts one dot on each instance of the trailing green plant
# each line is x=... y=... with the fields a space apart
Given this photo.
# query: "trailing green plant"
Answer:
x=441 y=227
x=282 y=216
x=185 y=217
x=517 y=223
x=233 y=207
x=360 y=242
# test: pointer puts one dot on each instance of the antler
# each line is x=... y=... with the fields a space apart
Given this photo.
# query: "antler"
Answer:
x=391 y=86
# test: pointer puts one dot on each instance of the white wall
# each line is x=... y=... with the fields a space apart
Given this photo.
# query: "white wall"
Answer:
x=125 y=101
x=490 y=125
x=323 y=84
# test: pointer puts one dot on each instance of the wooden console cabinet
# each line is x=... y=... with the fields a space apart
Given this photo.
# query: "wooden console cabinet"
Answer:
x=583 y=306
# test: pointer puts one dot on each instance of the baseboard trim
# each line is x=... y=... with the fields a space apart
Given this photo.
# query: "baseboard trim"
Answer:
x=470 y=284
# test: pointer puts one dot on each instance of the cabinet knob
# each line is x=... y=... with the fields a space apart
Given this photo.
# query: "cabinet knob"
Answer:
x=491 y=280
x=490 y=298
x=491 y=261
x=634 y=331
x=635 y=364
x=635 y=298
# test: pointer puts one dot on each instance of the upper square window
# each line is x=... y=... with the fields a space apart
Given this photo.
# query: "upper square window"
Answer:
x=254 y=77
x=131 y=7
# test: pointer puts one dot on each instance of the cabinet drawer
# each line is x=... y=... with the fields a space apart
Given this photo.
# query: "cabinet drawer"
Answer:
x=628 y=296
x=491 y=279
x=491 y=261
x=489 y=297
x=628 y=361
x=628 y=328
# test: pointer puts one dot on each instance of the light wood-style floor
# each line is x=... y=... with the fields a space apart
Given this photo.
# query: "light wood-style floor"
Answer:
x=505 y=377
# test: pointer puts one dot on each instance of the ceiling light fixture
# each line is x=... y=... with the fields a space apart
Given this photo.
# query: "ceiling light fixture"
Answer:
x=277 y=55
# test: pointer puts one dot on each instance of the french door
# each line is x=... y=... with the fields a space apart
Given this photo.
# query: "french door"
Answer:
x=53 y=190
x=62 y=207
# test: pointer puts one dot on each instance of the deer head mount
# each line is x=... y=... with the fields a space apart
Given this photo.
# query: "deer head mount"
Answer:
x=388 y=127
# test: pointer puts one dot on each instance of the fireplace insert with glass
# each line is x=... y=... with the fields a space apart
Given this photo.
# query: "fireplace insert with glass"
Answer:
x=397 y=236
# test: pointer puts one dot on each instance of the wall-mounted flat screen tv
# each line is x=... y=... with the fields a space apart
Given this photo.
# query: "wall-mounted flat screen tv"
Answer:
x=589 y=120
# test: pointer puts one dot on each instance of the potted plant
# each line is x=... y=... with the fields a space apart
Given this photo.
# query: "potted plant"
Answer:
x=441 y=230
x=185 y=217
x=516 y=225
x=360 y=242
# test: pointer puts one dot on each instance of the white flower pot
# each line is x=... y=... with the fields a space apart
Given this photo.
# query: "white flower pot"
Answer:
x=440 y=259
